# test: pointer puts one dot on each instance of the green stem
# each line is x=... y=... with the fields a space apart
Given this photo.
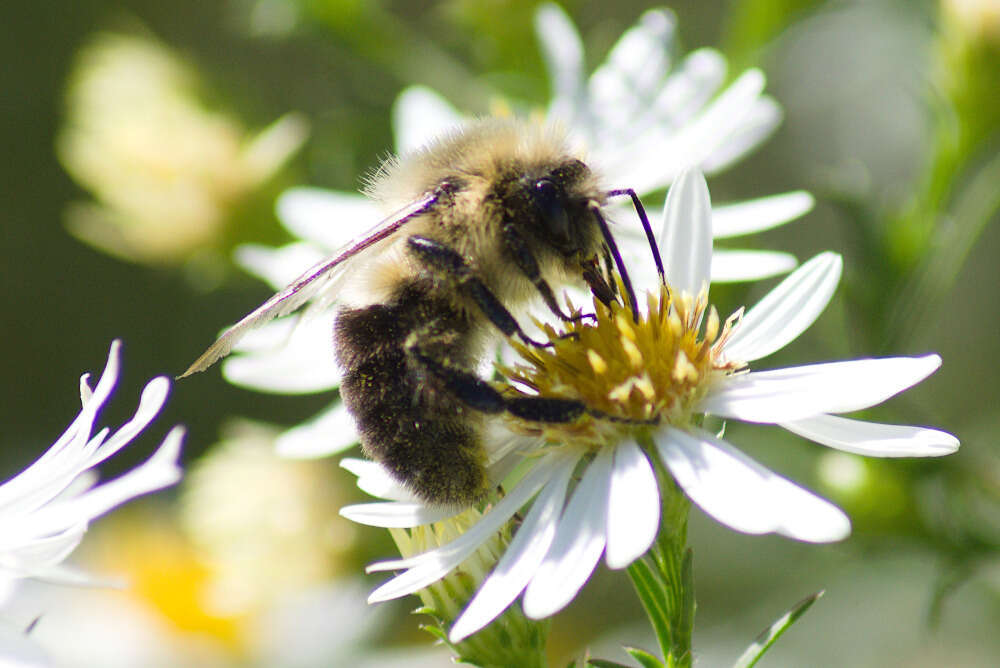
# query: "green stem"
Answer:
x=663 y=577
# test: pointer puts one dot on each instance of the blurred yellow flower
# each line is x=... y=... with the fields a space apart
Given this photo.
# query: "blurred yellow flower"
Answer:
x=165 y=170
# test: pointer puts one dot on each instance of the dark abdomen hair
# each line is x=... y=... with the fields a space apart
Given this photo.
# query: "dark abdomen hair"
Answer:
x=422 y=434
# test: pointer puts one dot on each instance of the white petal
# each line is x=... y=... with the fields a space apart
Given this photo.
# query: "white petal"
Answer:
x=686 y=237
x=733 y=266
x=328 y=433
x=874 y=439
x=426 y=568
x=757 y=215
x=633 y=507
x=28 y=550
x=744 y=495
x=658 y=161
x=420 y=115
x=19 y=650
x=278 y=266
x=689 y=87
x=521 y=559
x=302 y=365
x=270 y=148
x=328 y=218
x=763 y=119
x=794 y=393
x=787 y=310
x=374 y=479
x=159 y=471
x=153 y=396
x=396 y=514
x=647 y=161
x=577 y=546
x=562 y=52
x=622 y=89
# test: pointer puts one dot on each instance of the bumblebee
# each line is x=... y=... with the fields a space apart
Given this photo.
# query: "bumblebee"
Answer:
x=487 y=218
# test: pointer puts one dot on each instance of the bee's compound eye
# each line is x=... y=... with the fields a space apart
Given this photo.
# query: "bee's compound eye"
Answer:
x=546 y=191
x=548 y=199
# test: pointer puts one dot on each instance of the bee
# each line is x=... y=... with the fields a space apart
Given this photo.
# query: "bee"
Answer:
x=490 y=216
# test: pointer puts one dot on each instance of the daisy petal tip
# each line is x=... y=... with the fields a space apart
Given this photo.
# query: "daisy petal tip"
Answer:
x=826 y=523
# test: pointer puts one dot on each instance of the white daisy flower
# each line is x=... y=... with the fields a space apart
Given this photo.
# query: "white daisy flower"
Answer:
x=639 y=118
x=45 y=509
x=657 y=379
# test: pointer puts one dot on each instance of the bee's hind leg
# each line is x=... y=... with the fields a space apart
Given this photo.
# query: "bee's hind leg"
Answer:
x=481 y=396
x=446 y=261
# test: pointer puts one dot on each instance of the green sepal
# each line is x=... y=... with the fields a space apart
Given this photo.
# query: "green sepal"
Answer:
x=645 y=659
x=769 y=635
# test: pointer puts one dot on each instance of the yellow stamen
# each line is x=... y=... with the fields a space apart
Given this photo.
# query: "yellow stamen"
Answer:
x=597 y=362
x=655 y=369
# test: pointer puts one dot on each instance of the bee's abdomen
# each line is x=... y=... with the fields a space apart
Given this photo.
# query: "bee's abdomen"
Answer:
x=422 y=434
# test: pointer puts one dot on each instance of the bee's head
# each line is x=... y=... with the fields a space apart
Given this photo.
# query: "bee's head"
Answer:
x=555 y=204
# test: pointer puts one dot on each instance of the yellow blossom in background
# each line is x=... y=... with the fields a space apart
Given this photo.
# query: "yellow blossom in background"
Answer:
x=162 y=573
x=165 y=171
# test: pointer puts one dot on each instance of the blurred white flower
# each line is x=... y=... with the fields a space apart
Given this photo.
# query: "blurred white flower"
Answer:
x=46 y=509
x=639 y=118
x=290 y=518
x=165 y=171
x=676 y=366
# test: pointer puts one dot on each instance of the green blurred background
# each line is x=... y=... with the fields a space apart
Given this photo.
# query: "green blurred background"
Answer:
x=890 y=120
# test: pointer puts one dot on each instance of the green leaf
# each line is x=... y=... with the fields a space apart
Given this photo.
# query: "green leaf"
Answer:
x=652 y=595
x=603 y=663
x=769 y=635
x=645 y=659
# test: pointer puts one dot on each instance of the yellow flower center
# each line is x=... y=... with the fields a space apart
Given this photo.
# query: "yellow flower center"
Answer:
x=630 y=375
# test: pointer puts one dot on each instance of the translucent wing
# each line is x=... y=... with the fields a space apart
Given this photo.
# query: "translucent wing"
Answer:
x=323 y=280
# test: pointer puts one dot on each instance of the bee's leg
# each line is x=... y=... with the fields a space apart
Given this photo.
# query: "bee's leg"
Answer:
x=444 y=260
x=599 y=286
x=481 y=396
x=650 y=237
x=528 y=265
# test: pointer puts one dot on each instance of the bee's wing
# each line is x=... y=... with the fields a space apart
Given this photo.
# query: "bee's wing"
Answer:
x=321 y=280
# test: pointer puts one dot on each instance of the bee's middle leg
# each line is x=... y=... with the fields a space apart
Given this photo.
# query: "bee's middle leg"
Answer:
x=448 y=262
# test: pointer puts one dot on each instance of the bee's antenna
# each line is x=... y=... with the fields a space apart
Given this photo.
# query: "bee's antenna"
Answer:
x=610 y=241
x=645 y=227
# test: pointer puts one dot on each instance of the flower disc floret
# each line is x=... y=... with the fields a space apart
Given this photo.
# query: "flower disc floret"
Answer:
x=630 y=374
